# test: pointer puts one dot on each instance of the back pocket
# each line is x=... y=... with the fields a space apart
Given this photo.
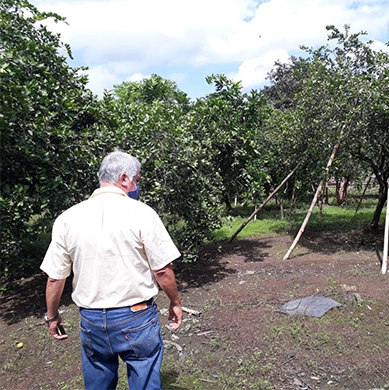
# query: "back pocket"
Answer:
x=144 y=340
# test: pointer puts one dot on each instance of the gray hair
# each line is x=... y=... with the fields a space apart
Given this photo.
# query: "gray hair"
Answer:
x=116 y=163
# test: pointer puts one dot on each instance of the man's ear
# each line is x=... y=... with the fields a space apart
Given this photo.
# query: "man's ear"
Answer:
x=122 y=178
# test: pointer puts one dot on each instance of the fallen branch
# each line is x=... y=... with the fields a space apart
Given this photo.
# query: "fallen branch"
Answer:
x=190 y=311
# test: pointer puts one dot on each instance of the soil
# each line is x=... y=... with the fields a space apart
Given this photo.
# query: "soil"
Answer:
x=238 y=339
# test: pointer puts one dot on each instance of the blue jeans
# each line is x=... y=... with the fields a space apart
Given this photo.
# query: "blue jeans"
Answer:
x=136 y=337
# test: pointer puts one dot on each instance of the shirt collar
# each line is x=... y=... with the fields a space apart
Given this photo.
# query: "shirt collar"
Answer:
x=108 y=190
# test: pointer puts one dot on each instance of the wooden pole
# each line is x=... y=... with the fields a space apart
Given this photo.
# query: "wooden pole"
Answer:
x=263 y=204
x=362 y=196
x=301 y=231
x=384 y=267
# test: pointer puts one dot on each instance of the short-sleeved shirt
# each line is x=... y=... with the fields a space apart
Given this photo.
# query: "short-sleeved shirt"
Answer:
x=112 y=243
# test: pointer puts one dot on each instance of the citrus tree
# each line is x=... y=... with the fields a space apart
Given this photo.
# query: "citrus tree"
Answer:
x=338 y=87
x=152 y=120
x=45 y=115
x=348 y=87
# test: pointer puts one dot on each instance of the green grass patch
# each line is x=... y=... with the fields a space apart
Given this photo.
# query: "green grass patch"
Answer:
x=253 y=228
x=268 y=220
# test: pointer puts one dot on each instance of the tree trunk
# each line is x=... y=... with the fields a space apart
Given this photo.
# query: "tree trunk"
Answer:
x=294 y=197
x=292 y=204
x=282 y=209
x=227 y=201
x=320 y=203
x=344 y=192
x=337 y=189
x=381 y=203
x=326 y=201
x=384 y=267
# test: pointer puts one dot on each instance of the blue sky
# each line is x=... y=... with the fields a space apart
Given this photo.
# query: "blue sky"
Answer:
x=185 y=41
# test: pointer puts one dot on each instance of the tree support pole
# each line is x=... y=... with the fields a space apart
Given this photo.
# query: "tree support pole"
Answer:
x=263 y=204
x=362 y=196
x=384 y=267
x=330 y=161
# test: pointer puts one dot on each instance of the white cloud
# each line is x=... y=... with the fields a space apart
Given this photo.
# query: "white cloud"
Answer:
x=253 y=72
x=120 y=38
x=147 y=30
x=137 y=77
x=100 y=77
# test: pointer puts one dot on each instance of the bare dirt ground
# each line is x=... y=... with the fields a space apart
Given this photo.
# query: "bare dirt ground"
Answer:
x=239 y=340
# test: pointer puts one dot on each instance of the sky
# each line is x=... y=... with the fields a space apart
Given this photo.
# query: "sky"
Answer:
x=185 y=41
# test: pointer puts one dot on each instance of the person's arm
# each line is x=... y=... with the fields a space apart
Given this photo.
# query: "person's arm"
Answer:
x=54 y=290
x=167 y=280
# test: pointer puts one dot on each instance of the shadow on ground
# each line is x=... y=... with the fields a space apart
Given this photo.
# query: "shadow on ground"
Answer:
x=346 y=240
x=26 y=297
x=210 y=266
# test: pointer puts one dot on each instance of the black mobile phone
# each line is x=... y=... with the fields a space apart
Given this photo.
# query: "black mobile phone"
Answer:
x=61 y=330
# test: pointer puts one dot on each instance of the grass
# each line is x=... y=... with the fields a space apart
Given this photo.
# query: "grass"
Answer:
x=269 y=222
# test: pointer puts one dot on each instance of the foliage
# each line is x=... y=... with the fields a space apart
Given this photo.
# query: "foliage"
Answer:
x=177 y=178
x=197 y=156
x=151 y=89
x=284 y=83
x=230 y=123
x=343 y=86
x=348 y=86
x=45 y=108
x=194 y=155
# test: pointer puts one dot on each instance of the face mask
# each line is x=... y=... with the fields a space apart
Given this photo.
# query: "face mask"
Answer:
x=134 y=194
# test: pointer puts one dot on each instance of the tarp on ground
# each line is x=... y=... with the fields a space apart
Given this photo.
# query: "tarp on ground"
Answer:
x=314 y=306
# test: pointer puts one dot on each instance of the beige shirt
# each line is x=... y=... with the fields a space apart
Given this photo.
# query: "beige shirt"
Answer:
x=112 y=243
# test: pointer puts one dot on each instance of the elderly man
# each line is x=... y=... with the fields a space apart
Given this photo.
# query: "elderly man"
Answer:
x=118 y=249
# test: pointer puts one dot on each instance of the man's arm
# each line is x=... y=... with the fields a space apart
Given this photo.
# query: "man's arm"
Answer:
x=54 y=290
x=167 y=280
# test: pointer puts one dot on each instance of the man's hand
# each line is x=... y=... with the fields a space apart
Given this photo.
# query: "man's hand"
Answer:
x=166 y=279
x=54 y=289
x=52 y=329
x=175 y=314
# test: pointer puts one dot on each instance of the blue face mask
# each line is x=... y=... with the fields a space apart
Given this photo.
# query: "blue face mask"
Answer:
x=134 y=194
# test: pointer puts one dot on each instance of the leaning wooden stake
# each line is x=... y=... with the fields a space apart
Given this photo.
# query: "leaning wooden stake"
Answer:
x=301 y=231
x=362 y=196
x=263 y=204
x=384 y=267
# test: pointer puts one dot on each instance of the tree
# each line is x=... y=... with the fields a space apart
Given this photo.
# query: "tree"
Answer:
x=286 y=82
x=342 y=84
x=178 y=180
x=230 y=124
x=45 y=112
x=153 y=88
x=349 y=85
x=193 y=155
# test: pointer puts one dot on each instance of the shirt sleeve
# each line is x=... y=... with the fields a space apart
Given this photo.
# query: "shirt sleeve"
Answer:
x=57 y=263
x=158 y=245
